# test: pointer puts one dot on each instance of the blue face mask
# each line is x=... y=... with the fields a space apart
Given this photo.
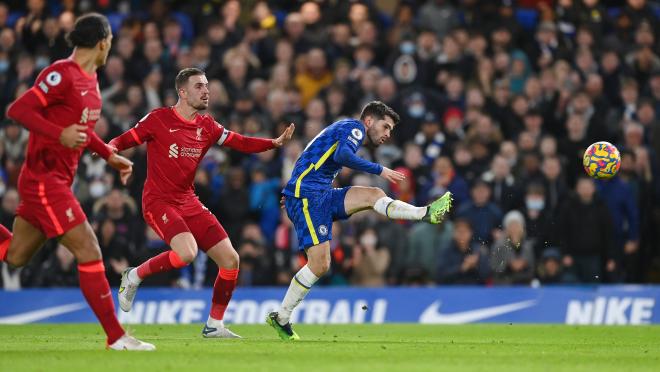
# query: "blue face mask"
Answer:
x=4 y=66
x=41 y=62
x=535 y=204
x=407 y=47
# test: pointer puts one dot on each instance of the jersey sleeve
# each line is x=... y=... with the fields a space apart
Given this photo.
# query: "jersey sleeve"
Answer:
x=53 y=85
x=49 y=89
x=350 y=138
x=142 y=132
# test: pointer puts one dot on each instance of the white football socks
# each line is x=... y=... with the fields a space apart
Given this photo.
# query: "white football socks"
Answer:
x=398 y=210
x=300 y=285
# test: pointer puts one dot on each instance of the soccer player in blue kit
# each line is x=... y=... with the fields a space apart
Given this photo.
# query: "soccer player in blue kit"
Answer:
x=312 y=204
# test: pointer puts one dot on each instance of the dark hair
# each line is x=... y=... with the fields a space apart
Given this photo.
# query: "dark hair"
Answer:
x=185 y=74
x=88 y=30
x=379 y=110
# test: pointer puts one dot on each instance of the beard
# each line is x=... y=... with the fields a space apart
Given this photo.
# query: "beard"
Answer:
x=200 y=106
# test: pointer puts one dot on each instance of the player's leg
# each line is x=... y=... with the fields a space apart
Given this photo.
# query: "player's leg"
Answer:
x=184 y=250
x=81 y=241
x=226 y=257
x=360 y=198
x=28 y=239
x=5 y=240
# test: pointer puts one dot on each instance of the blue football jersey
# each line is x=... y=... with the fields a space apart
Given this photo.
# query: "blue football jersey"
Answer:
x=320 y=162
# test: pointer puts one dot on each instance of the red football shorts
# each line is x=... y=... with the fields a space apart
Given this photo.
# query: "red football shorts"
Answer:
x=53 y=209
x=169 y=219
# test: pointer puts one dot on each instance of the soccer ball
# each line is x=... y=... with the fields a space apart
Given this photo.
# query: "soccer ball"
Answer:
x=601 y=160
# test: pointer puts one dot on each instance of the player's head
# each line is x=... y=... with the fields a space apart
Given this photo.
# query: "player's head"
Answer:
x=193 y=88
x=92 y=31
x=380 y=120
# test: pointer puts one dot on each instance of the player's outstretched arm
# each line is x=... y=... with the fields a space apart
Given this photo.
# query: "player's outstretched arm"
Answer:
x=122 y=165
x=97 y=145
x=125 y=140
x=251 y=145
x=392 y=176
x=27 y=110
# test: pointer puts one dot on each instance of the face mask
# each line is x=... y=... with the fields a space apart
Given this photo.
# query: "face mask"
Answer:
x=41 y=62
x=96 y=189
x=535 y=204
x=407 y=47
x=4 y=66
x=368 y=240
x=417 y=110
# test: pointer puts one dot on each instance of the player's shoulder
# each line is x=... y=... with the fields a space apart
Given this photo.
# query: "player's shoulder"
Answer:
x=353 y=127
x=57 y=72
x=155 y=115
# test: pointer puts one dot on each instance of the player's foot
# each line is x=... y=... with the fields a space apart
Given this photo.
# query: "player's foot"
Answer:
x=284 y=331
x=218 y=332
x=127 y=342
x=127 y=291
x=437 y=210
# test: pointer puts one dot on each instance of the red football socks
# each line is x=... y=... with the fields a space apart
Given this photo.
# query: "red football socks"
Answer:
x=165 y=261
x=5 y=240
x=223 y=288
x=96 y=290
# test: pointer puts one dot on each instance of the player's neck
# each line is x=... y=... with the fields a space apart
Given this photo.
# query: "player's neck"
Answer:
x=85 y=59
x=185 y=111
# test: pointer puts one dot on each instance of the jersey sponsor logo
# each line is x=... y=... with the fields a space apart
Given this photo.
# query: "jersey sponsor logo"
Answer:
x=323 y=230
x=43 y=87
x=356 y=133
x=89 y=115
x=174 y=151
x=54 y=78
x=69 y=214
x=199 y=134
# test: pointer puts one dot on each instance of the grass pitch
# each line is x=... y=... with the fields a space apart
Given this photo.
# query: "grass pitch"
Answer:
x=376 y=348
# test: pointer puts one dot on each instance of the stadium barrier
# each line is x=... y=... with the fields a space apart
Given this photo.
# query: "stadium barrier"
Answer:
x=435 y=305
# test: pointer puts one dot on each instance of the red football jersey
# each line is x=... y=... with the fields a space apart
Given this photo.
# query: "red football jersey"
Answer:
x=175 y=147
x=69 y=96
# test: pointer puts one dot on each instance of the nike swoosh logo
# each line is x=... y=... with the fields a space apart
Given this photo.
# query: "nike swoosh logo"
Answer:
x=84 y=92
x=173 y=130
x=432 y=313
x=34 y=316
x=106 y=295
x=208 y=330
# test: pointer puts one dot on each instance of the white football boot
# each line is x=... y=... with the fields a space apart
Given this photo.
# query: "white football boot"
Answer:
x=127 y=290
x=127 y=342
x=216 y=329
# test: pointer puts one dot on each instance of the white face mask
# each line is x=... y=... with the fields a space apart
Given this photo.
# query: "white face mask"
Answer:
x=368 y=240
x=534 y=204
x=97 y=189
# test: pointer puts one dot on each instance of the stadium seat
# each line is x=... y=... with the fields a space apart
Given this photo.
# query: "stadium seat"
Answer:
x=527 y=18
x=186 y=23
x=115 y=20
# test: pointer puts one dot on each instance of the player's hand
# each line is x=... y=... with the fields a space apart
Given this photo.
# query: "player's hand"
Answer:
x=282 y=201
x=285 y=137
x=123 y=165
x=392 y=176
x=74 y=136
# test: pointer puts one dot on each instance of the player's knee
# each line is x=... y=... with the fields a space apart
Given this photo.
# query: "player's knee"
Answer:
x=233 y=260
x=320 y=266
x=376 y=193
x=188 y=255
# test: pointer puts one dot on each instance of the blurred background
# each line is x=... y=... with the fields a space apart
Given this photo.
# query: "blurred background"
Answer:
x=498 y=101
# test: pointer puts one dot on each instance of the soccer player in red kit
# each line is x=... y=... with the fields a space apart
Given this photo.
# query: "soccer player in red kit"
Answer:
x=177 y=139
x=60 y=111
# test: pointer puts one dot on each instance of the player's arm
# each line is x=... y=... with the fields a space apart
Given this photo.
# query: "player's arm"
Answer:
x=139 y=134
x=97 y=145
x=116 y=161
x=345 y=155
x=28 y=110
x=251 y=145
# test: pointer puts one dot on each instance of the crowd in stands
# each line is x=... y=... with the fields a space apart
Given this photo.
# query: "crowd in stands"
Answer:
x=498 y=101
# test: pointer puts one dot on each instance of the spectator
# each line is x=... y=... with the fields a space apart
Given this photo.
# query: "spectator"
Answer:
x=425 y=249
x=586 y=234
x=512 y=256
x=463 y=261
x=482 y=214
x=370 y=261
